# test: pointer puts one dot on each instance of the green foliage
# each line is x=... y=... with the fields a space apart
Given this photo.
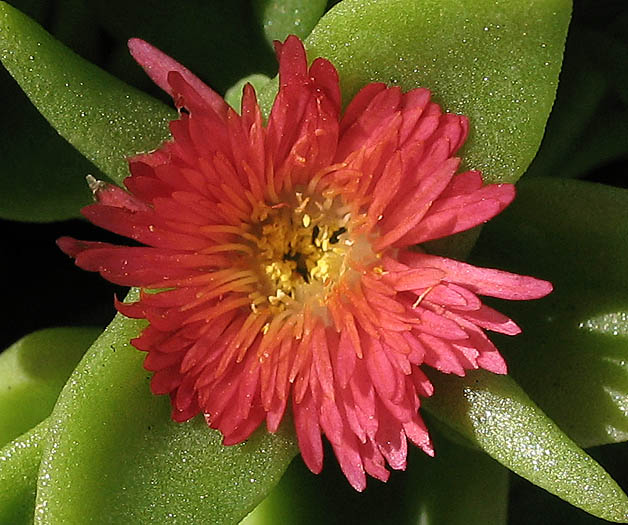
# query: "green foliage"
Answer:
x=32 y=373
x=110 y=451
x=18 y=476
x=101 y=116
x=495 y=61
x=494 y=413
x=280 y=18
x=145 y=467
x=572 y=355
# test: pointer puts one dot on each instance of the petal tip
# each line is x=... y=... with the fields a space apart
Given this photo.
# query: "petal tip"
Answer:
x=70 y=246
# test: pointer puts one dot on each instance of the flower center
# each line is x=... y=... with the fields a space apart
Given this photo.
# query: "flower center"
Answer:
x=301 y=248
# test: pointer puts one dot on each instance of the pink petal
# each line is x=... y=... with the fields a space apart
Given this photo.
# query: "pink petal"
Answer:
x=383 y=375
x=463 y=183
x=414 y=103
x=359 y=103
x=136 y=266
x=440 y=355
x=483 y=281
x=462 y=212
x=111 y=195
x=453 y=296
x=391 y=440
x=493 y=320
x=157 y=66
x=414 y=278
x=416 y=431
x=331 y=421
x=439 y=326
x=244 y=430
x=141 y=226
x=400 y=220
x=367 y=128
x=350 y=461
x=374 y=462
x=308 y=433
x=345 y=359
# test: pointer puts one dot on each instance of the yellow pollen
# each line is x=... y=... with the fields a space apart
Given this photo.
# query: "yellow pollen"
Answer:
x=299 y=249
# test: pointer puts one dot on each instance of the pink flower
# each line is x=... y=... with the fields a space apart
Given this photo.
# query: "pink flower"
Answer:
x=283 y=267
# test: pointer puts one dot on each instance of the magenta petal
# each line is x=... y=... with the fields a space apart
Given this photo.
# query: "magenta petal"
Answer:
x=157 y=66
x=398 y=221
x=483 y=281
x=459 y=213
x=493 y=320
x=272 y=270
x=351 y=461
x=415 y=279
x=308 y=433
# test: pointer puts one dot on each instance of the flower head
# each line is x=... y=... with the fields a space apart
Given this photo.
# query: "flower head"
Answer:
x=283 y=268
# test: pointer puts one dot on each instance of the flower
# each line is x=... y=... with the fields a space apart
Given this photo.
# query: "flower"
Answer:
x=282 y=264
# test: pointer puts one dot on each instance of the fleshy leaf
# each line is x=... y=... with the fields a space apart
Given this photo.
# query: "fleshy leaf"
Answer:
x=101 y=116
x=301 y=498
x=603 y=141
x=19 y=462
x=461 y=475
x=233 y=96
x=493 y=412
x=580 y=92
x=32 y=188
x=495 y=61
x=280 y=18
x=32 y=372
x=42 y=175
x=219 y=41
x=572 y=355
x=423 y=494
x=115 y=455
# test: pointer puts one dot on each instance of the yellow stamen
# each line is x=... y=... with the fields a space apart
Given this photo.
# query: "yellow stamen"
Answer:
x=299 y=248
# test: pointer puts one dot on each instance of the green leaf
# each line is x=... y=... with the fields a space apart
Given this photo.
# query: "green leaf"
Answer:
x=572 y=356
x=453 y=488
x=603 y=141
x=495 y=61
x=219 y=41
x=423 y=494
x=233 y=96
x=302 y=498
x=493 y=412
x=41 y=175
x=102 y=117
x=18 y=476
x=580 y=92
x=280 y=18
x=32 y=372
x=114 y=454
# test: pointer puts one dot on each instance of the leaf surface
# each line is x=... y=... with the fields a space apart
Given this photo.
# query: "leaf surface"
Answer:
x=114 y=454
